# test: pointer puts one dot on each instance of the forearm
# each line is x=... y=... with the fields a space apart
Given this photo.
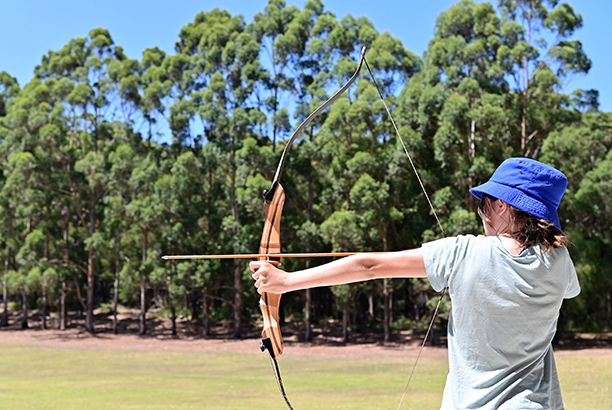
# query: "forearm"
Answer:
x=359 y=268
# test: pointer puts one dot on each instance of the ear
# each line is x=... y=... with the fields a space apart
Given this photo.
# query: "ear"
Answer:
x=504 y=208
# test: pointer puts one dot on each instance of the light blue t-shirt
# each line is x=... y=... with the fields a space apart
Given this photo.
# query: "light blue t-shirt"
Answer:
x=504 y=316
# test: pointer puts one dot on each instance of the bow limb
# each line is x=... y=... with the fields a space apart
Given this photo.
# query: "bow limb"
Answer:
x=316 y=112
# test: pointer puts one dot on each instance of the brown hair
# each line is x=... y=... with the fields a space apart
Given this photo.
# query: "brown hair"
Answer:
x=527 y=229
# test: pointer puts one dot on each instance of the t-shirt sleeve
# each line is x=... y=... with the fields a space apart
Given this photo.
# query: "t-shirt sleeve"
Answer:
x=441 y=259
x=573 y=286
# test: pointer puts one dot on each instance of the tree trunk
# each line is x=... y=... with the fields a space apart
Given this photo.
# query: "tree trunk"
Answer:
x=195 y=311
x=91 y=269
x=308 y=293
x=345 y=319
x=386 y=297
x=143 y=307
x=237 y=263
x=43 y=321
x=472 y=144
x=4 y=319
x=307 y=316
x=390 y=310
x=387 y=314
x=205 y=314
x=524 y=121
x=43 y=309
x=237 y=299
x=24 y=310
x=7 y=261
x=143 y=284
x=371 y=300
x=173 y=316
x=63 y=318
x=116 y=286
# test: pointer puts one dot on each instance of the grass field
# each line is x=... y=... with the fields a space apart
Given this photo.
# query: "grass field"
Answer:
x=33 y=377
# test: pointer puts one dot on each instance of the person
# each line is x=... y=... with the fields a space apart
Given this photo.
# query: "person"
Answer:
x=506 y=289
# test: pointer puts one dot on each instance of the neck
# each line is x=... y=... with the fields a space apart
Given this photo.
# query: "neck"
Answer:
x=513 y=246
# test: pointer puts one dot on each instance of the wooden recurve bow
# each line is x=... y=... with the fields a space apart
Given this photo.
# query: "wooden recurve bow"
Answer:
x=274 y=199
x=270 y=249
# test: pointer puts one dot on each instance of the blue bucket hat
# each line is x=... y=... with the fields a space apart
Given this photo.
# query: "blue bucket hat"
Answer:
x=528 y=185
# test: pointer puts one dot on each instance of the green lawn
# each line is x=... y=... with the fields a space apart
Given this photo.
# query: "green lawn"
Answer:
x=40 y=378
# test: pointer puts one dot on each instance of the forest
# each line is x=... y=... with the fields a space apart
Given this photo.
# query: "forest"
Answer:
x=109 y=163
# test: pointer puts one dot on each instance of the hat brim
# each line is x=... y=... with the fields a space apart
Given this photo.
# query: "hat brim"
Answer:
x=518 y=199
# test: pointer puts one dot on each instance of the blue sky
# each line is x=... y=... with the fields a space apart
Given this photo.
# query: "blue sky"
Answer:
x=30 y=28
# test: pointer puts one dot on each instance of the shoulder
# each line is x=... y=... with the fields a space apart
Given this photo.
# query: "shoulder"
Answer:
x=460 y=243
x=445 y=257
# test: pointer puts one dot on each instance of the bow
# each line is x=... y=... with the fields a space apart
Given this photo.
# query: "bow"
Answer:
x=270 y=249
x=274 y=199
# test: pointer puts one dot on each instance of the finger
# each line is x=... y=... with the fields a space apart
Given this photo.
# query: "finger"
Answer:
x=258 y=284
x=255 y=265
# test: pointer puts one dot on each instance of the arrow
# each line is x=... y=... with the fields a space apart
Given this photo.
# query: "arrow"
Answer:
x=265 y=255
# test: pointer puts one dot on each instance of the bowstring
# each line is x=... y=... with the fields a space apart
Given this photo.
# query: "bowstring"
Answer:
x=404 y=146
x=435 y=215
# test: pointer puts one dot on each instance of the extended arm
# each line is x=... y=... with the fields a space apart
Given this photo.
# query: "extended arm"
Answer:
x=356 y=268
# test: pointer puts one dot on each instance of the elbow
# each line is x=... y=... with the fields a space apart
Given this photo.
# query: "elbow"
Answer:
x=370 y=266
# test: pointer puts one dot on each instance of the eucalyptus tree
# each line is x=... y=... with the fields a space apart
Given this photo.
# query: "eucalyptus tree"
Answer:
x=122 y=162
x=491 y=88
x=12 y=239
x=7 y=228
x=357 y=141
x=28 y=211
x=540 y=59
x=382 y=168
x=188 y=195
x=284 y=33
x=83 y=65
x=132 y=216
x=29 y=203
x=291 y=48
x=222 y=68
x=24 y=282
x=582 y=150
x=458 y=103
x=9 y=88
x=143 y=211
x=154 y=86
x=341 y=229
x=38 y=275
x=37 y=143
x=125 y=94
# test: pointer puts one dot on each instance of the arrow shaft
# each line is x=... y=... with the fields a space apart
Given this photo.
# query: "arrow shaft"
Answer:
x=264 y=255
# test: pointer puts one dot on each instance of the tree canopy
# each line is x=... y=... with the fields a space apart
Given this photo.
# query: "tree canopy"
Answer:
x=111 y=162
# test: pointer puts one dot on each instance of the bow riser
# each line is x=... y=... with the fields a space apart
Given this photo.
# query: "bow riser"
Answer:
x=269 y=303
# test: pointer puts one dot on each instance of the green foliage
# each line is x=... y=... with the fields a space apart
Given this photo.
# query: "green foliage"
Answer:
x=89 y=196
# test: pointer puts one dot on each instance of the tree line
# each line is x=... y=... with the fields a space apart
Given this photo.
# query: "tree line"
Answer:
x=91 y=199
